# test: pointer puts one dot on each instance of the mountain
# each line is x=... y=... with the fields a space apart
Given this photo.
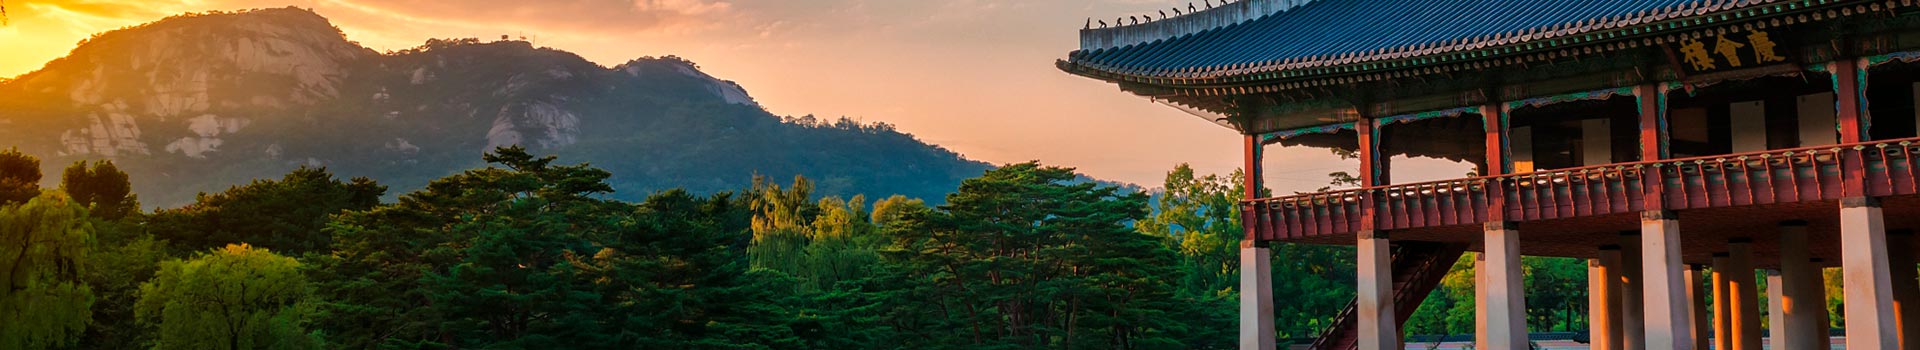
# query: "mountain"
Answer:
x=196 y=103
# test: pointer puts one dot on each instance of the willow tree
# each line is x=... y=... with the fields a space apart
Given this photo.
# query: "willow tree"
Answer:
x=233 y=298
x=44 y=244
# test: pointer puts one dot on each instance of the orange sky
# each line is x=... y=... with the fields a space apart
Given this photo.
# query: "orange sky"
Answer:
x=975 y=76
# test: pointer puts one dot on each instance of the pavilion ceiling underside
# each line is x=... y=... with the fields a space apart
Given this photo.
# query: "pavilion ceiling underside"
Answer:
x=1338 y=37
x=1450 y=138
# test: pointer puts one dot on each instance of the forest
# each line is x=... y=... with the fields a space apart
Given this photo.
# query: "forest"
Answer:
x=530 y=253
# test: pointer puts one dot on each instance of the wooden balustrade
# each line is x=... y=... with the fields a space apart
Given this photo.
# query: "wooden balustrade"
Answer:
x=1878 y=168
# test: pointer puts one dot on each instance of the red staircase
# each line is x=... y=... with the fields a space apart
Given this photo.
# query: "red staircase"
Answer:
x=1418 y=268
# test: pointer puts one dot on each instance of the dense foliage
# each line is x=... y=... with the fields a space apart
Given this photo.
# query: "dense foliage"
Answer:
x=528 y=253
x=237 y=297
x=44 y=252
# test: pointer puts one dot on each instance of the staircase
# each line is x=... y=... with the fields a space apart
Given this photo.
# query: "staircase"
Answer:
x=1418 y=267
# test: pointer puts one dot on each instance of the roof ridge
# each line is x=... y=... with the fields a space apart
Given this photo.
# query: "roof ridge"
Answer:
x=1218 y=16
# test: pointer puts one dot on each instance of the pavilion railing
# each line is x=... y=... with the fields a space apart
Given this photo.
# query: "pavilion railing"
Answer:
x=1876 y=168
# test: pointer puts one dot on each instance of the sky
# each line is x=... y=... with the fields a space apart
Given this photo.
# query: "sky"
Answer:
x=974 y=76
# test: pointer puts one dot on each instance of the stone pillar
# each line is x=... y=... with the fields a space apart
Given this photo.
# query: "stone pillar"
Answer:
x=1379 y=330
x=1868 y=276
x=1803 y=301
x=1603 y=300
x=1633 y=327
x=1479 y=292
x=1505 y=299
x=1667 y=325
x=1722 y=308
x=1256 y=297
x=1744 y=295
x=1824 y=316
x=1906 y=287
x=1776 y=310
x=1702 y=329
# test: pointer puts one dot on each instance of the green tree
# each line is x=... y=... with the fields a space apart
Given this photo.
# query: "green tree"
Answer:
x=285 y=215
x=233 y=298
x=780 y=224
x=1199 y=217
x=119 y=269
x=1556 y=293
x=844 y=244
x=102 y=188
x=527 y=254
x=1024 y=256
x=44 y=256
x=19 y=177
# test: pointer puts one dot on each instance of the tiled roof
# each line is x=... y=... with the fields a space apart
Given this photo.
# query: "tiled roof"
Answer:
x=1342 y=32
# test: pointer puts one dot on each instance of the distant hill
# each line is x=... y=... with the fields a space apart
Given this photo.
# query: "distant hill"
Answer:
x=196 y=103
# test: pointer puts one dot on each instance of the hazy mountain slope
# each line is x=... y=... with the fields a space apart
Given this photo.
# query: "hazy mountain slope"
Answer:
x=200 y=102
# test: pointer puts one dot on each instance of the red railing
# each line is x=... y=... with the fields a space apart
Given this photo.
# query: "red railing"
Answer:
x=1877 y=168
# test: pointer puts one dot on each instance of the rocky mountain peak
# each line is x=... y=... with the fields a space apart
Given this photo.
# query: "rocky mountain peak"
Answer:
x=198 y=102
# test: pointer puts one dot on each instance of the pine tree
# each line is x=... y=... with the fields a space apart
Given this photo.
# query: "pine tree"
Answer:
x=19 y=177
x=102 y=188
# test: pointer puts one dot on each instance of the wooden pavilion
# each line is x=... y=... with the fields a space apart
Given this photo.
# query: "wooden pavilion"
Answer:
x=1653 y=137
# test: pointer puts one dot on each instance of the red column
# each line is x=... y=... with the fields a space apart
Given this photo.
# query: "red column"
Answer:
x=1490 y=116
x=1252 y=212
x=1373 y=162
x=1653 y=133
x=1373 y=170
x=1252 y=169
x=1653 y=145
x=1490 y=119
x=1846 y=87
x=1853 y=126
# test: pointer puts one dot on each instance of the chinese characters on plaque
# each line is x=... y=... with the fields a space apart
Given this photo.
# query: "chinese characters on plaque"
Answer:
x=1728 y=51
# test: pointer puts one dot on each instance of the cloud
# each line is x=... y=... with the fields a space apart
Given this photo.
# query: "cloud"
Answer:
x=101 y=9
x=684 y=7
x=563 y=16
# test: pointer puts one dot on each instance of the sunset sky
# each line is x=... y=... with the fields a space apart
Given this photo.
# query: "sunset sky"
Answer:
x=975 y=76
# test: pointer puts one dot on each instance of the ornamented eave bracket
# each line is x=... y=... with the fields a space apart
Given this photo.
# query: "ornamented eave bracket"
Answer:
x=1277 y=136
x=1573 y=97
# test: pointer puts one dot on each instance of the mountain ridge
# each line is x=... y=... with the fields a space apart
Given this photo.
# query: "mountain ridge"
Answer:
x=194 y=103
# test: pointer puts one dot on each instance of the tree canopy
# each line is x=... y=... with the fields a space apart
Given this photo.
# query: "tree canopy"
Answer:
x=44 y=254
x=234 y=298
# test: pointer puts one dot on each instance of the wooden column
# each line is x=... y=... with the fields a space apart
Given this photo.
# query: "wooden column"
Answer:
x=1852 y=122
x=1492 y=120
x=1846 y=92
x=1653 y=120
x=1868 y=283
x=1374 y=170
x=1653 y=140
x=1253 y=167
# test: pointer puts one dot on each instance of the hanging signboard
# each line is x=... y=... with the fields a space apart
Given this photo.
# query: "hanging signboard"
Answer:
x=1727 y=51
